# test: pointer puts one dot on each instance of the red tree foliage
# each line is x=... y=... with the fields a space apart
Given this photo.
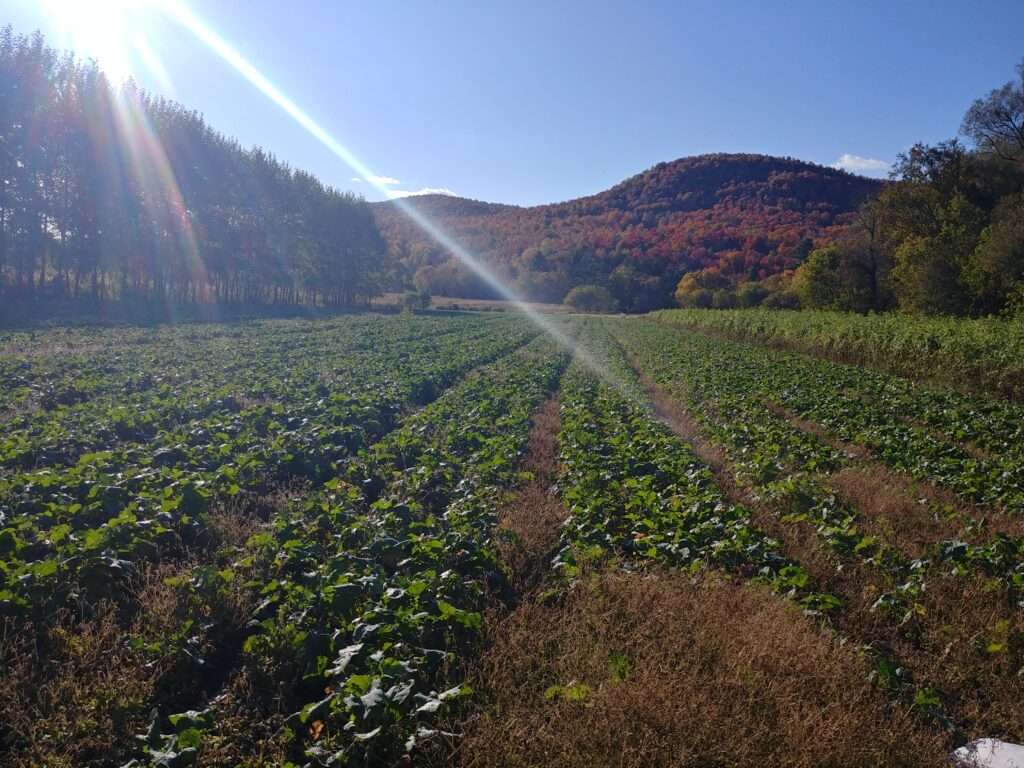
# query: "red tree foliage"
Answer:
x=740 y=214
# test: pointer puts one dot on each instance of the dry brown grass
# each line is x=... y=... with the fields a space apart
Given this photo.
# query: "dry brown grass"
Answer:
x=969 y=447
x=232 y=523
x=531 y=519
x=964 y=642
x=19 y=410
x=889 y=501
x=673 y=672
x=79 y=706
x=685 y=426
x=75 y=693
x=888 y=508
x=849 y=450
x=393 y=300
x=969 y=645
x=964 y=638
x=248 y=733
x=234 y=518
x=912 y=515
x=944 y=644
x=77 y=690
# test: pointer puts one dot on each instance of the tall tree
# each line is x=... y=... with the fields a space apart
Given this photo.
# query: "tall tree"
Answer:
x=996 y=122
x=113 y=193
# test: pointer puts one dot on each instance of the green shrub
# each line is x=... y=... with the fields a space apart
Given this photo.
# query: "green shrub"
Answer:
x=591 y=298
x=413 y=300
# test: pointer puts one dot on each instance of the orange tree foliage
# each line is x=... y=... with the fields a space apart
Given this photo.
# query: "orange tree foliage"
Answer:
x=743 y=215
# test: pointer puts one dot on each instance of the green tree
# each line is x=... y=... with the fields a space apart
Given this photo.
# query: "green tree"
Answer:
x=929 y=272
x=723 y=298
x=697 y=289
x=996 y=122
x=622 y=283
x=817 y=282
x=193 y=218
x=542 y=286
x=751 y=294
x=803 y=250
x=591 y=298
x=412 y=300
x=864 y=264
x=995 y=271
x=927 y=277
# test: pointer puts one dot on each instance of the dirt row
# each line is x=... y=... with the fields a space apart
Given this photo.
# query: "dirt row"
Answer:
x=962 y=644
x=662 y=668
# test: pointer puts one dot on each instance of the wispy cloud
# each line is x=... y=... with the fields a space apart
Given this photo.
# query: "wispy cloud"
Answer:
x=395 y=193
x=387 y=181
x=866 y=166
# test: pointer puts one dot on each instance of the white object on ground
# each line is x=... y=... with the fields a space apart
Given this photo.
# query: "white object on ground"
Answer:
x=990 y=753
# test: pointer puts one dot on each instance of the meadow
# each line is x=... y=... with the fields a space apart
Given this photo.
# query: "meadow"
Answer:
x=442 y=538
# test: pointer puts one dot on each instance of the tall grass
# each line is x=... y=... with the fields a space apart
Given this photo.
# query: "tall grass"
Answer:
x=984 y=355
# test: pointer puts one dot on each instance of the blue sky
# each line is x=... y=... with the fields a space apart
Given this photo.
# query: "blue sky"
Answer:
x=531 y=102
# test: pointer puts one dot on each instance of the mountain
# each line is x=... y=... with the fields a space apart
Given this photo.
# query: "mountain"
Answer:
x=737 y=213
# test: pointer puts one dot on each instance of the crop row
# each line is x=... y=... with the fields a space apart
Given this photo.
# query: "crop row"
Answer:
x=866 y=410
x=984 y=354
x=370 y=587
x=72 y=530
x=726 y=386
x=729 y=389
x=63 y=367
x=637 y=491
x=127 y=394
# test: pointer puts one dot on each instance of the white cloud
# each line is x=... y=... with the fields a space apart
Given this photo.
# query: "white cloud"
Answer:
x=395 y=193
x=866 y=166
x=357 y=180
x=387 y=180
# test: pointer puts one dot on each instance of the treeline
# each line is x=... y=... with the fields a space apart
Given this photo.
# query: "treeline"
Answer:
x=109 y=194
x=945 y=236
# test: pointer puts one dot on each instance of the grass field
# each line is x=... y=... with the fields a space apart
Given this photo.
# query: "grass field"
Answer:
x=442 y=539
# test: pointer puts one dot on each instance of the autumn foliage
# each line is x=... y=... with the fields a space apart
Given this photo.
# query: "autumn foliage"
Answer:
x=742 y=215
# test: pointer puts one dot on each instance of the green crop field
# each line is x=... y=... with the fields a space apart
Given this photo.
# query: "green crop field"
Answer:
x=302 y=542
x=980 y=355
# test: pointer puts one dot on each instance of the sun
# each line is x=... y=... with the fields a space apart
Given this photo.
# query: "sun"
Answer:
x=109 y=31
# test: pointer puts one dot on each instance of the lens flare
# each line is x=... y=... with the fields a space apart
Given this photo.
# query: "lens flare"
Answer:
x=153 y=173
x=184 y=16
x=113 y=32
x=100 y=29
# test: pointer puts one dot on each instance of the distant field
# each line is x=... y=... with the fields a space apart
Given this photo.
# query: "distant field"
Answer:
x=389 y=300
x=342 y=541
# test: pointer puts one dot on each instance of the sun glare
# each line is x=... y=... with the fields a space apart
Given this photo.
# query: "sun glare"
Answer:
x=108 y=31
x=111 y=32
x=180 y=12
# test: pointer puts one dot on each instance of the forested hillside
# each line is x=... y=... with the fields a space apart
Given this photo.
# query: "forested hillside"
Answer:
x=111 y=194
x=745 y=215
x=944 y=237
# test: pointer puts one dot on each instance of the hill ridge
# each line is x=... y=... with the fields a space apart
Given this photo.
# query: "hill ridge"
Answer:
x=827 y=169
x=739 y=213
